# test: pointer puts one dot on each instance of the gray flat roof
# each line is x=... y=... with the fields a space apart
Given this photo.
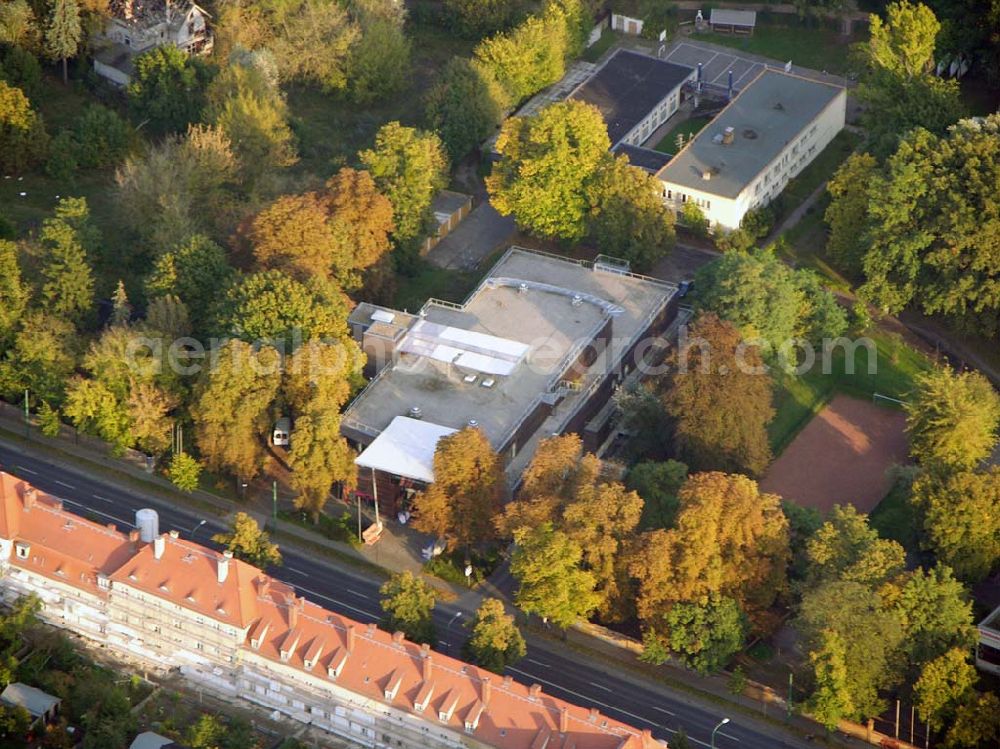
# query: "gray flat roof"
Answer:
x=727 y=17
x=768 y=114
x=543 y=316
x=628 y=87
x=644 y=158
x=34 y=700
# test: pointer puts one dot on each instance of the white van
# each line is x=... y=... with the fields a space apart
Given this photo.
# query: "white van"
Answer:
x=282 y=435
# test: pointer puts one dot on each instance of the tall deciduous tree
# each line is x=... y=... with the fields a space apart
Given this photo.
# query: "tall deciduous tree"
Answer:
x=495 y=642
x=168 y=88
x=312 y=41
x=67 y=288
x=41 y=358
x=547 y=164
x=976 y=723
x=380 y=58
x=194 y=271
x=960 y=522
x=942 y=685
x=846 y=548
x=933 y=220
x=317 y=385
x=409 y=167
x=706 y=635
x=952 y=419
x=63 y=33
x=729 y=539
x=249 y=542
x=13 y=291
x=230 y=407
x=464 y=106
x=17 y=23
x=408 y=604
x=462 y=503
x=720 y=400
x=22 y=135
x=847 y=213
x=658 y=484
x=627 y=216
x=831 y=698
x=527 y=58
x=546 y=564
x=478 y=18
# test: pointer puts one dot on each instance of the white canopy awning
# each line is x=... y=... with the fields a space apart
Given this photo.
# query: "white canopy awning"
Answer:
x=405 y=448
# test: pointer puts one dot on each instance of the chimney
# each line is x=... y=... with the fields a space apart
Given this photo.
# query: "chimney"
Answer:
x=222 y=566
x=647 y=738
x=351 y=635
x=534 y=691
x=294 y=609
x=133 y=536
x=159 y=544
x=508 y=681
x=398 y=637
x=30 y=496
x=594 y=714
x=427 y=664
x=563 y=719
x=175 y=534
x=487 y=691
x=263 y=586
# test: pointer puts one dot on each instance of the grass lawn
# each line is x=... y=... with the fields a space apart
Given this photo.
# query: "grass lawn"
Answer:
x=689 y=128
x=805 y=247
x=821 y=168
x=816 y=48
x=798 y=398
x=431 y=281
x=608 y=39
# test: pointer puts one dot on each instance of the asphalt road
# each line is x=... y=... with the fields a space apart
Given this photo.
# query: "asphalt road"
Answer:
x=350 y=593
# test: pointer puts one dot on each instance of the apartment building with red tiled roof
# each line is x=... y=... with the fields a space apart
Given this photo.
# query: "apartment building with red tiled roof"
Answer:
x=234 y=630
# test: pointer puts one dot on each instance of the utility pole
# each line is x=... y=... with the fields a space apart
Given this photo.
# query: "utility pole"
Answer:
x=788 y=712
x=274 y=504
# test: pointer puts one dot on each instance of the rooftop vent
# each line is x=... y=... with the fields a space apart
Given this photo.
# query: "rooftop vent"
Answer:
x=717 y=139
x=728 y=136
x=382 y=315
x=488 y=382
x=577 y=300
x=522 y=288
x=415 y=412
x=706 y=175
x=750 y=134
x=470 y=379
x=473 y=423
x=779 y=106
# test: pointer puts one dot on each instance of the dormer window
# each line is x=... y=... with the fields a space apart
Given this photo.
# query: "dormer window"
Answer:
x=22 y=550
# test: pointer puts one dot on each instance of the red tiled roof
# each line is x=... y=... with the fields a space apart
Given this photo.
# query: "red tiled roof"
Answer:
x=362 y=659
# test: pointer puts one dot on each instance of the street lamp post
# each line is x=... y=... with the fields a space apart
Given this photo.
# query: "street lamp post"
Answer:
x=458 y=615
x=200 y=523
x=714 y=730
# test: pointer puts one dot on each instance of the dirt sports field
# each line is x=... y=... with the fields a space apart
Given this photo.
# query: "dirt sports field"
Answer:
x=841 y=456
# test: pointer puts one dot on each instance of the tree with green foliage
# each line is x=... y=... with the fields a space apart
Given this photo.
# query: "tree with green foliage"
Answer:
x=658 y=483
x=93 y=408
x=380 y=58
x=960 y=522
x=249 y=542
x=952 y=419
x=461 y=505
x=495 y=642
x=942 y=686
x=478 y=18
x=319 y=379
x=195 y=271
x=67 y=288
x=548 y=162
x=527 y=58
x=23 y=141
x=694 y=219
x=121 y=309
x=17 y=23
x=409 y=167
x=898 y=84
x=168 y=88
x=18 y=66
x=49 y=422
x=465 y=106
x=184 y=472
x=627 y=216
x=63 y=33
x=551 y=584
x=15 y=722
x=976 y=722
x=931 y=220
x=231 y=407
x=870 y=636
x=102 y=137
x=312 y=42
x=766 y=299
x=719 y=398
x=830 y=700
x=706 y=636
x=408 y=604
x=13 y=291
x=847 y=213
x=41 y=358
x=273 y=307
x=846 y=548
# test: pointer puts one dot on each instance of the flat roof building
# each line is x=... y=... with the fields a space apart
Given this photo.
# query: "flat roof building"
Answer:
x=636 y=94
x=733 y=21
x=535 y=349
x=748 y=153
x=988 y=650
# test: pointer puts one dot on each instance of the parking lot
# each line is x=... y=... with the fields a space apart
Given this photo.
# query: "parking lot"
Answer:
x=717 y=64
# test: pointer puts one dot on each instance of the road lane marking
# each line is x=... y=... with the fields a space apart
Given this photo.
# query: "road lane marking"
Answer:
x=297 y=572
x=537 y=663
x=599 y=686
x=584 y=697
x=103 y=499
x=339 y=603
x=68 y=486
x=354 y=592
x=27 y=470
x=662 y=710
x=728 y=736
x=96 y=512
